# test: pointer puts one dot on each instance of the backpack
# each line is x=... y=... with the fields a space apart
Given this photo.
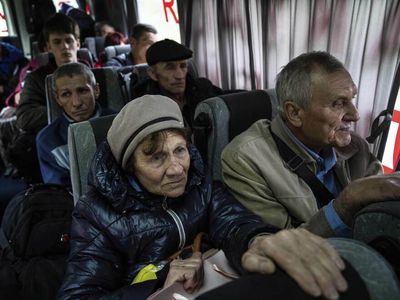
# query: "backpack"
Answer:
x=34 y=241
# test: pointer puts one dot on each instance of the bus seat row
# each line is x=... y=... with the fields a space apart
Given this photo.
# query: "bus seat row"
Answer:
x=95 y=45
x=224 y=113
x=83 y=54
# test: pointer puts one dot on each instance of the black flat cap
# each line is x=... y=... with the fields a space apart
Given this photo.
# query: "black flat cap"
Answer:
x=167 y=50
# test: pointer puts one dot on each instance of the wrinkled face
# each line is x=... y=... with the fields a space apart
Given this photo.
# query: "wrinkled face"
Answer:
x=165 y=171
x=171 y=76
x=328 y=118
x=76 y=96
x=106 y=29
x=140 y=46
x=64 y=47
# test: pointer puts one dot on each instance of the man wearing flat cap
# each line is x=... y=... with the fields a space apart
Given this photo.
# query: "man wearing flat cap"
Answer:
x=168 y=72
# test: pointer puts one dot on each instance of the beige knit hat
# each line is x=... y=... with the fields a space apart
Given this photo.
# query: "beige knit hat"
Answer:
x=139 y=118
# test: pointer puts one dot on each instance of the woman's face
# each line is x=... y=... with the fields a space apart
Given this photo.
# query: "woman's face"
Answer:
x=165 y=171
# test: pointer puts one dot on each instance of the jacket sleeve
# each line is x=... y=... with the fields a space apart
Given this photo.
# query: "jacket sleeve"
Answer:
x=250 y=188
x=51 y=171
x=231 y=225
x=94 y=269
x=32 y=111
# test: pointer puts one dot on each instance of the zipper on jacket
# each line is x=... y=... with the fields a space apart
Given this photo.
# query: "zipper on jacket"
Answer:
x=178 y=222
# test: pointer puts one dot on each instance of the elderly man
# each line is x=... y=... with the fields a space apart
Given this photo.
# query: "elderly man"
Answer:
x=168 y=71
x=76 y=91
x=142 y=37
x=306 y=167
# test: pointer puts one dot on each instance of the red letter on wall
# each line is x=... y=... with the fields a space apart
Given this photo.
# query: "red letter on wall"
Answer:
x=169 y=4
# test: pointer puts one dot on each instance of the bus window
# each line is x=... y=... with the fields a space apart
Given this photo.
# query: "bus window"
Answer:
x=163 y=15
x=57 y=3
x=391 y=155
x=3 y=22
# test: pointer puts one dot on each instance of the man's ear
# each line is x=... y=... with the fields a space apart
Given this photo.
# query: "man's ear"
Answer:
x=56 y=97
x=48 y=47
x=133 y=42
x=152 y=74
x=96 y=91
x=293 y=113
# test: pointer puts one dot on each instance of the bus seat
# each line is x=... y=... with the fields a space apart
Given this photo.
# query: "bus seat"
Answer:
x=86 y=55
x=95 y=45
x=112 y=51
x=219 y=119
x=113 y=94
x=83 y=139
x=83 y=54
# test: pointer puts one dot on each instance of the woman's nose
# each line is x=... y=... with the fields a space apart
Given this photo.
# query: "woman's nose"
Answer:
x=175 y=168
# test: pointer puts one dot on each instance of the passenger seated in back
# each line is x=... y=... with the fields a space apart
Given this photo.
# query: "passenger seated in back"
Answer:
x=142 y=37
x=76 y=91
x=102 y=28
x=168 y=71
x=12 y=60
x=61 y=34
x=315 y=94
x=62 y=39
x=111 y=39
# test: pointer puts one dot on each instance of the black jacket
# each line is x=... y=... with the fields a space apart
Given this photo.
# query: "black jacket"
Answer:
x=117 y=230
x=197 y=90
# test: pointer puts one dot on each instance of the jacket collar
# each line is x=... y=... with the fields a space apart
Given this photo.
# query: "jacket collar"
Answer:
x=279 y=127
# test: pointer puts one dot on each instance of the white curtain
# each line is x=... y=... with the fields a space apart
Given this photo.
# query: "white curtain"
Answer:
x=232 y=50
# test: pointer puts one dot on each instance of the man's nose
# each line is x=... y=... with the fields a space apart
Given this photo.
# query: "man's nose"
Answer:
x=352 y=114
x=180 y=73
x=76 y=100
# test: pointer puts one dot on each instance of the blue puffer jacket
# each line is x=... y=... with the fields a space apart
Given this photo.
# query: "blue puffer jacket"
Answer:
x=118 y=230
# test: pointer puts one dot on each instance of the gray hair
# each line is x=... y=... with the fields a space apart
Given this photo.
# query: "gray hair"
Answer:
x=71 y=69
x=293 y=82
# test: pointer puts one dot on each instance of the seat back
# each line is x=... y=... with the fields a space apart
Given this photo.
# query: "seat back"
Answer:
x=83 y=139
x=218 y=120
x=95 y=45
x=82 y=54
x=112 y=51
x=113 y=94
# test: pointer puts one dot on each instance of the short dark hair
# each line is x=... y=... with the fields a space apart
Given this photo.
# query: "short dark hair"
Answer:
x=140 y=28
x=99 y=25
x=72 y=69
x=294 y=80
x=60 y=23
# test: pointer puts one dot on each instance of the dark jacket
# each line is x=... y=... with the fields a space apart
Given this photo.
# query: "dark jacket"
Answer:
x=52 y=148
x=32 y=111
x=117 y=230
x=197 y=90
x=121 y=60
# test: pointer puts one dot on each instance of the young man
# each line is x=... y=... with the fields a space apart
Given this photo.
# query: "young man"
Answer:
x=76 y=91
x=168 y=71
x=315 y=94
x=62 y=40
x=142 y=37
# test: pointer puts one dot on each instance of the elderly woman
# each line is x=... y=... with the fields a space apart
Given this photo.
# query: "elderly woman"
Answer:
x=149 y=197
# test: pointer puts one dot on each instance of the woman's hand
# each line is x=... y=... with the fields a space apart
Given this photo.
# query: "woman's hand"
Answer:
x=309 y=259
x=188 y=271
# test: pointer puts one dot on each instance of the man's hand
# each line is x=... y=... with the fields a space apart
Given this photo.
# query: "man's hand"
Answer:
x=188 y=271
x=364 y=191
x=310 y=260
